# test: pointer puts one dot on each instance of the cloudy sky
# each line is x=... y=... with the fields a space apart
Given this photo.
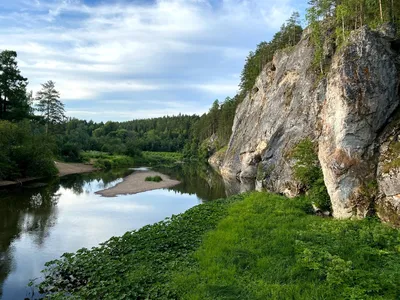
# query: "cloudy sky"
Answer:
x=122 y=60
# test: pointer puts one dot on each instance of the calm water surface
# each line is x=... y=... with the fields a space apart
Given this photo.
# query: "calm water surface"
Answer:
x=38 y=224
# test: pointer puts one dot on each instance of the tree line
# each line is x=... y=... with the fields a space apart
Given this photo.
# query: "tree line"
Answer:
x=24 y=125
x=337 y=18
x=25 y=146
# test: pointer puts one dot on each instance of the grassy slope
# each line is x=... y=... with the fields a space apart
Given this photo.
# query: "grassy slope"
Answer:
x=269 y=248
x=264 y=247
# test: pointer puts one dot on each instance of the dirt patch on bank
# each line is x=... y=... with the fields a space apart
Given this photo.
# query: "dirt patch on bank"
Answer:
x=63 y=169
x=73 y=168
x=135 y=183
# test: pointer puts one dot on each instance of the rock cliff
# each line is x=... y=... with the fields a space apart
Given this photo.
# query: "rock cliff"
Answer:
x=350 y=112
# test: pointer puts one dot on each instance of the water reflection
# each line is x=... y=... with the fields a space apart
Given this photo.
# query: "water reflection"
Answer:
x=39 y=223
x=34 y=213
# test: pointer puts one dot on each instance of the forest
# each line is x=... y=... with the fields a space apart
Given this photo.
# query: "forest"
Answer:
x=34 y=130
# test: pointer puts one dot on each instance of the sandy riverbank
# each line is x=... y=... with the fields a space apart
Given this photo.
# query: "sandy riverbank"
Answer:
x=63 y=169
x=73 y=168
x=135 y=183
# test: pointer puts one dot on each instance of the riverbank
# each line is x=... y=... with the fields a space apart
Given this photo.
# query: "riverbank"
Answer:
x=253 y=246
x=136 y=183
x=63 y=169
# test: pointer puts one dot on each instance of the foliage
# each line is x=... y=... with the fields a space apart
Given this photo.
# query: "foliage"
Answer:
x=137 y=265
x=154 y=178
x=347 y=15
x=306 y=168
x=105 y=161
x=289 y=35
x=14 y=101
x=268 y=247
x=215 y=125
x=308 y=172
x=166 y=134
x=149 y=158
x=24 y=151
x=49 y=105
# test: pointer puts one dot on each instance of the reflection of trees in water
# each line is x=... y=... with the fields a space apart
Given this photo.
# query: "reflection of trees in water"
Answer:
x=25 y=211
x=205 y=182
x=77 y=182
x=199 y=179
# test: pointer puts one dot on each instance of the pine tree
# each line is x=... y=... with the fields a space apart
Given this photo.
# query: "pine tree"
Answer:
x=49 y=105
x=14 y=104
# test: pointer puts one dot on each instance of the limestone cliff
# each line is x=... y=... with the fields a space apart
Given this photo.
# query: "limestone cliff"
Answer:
x=348 y=112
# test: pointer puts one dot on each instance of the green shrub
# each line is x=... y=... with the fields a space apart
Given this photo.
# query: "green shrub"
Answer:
x=105 y=161
x=103 y=164
x=308 y=172
x=154 y=178
x=70 y=152
x=318 y=195
x=25 y=152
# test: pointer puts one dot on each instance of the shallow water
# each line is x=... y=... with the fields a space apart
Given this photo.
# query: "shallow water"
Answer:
x=38 y=224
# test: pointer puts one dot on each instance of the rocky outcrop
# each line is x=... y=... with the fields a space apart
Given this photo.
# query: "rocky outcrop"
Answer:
x=346 y=111
x=388 y=175
x=217 y=159
x=281 y=110
x=361 y=96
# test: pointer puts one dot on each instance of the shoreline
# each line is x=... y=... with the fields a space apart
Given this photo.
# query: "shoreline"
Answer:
x=135 y=183
x=63 y=170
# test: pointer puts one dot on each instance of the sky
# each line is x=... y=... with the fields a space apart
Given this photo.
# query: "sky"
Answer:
x=122 y=60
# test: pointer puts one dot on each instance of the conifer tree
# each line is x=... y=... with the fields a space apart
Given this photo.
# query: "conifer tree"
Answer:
x=14 y=104
x=50 y=106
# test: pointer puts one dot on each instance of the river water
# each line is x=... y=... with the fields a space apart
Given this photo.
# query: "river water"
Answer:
x=39 y=224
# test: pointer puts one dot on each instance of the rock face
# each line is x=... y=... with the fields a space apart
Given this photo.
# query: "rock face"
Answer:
x=388 y=175
x=346 y=112
x=361 y=96
x=281 y=110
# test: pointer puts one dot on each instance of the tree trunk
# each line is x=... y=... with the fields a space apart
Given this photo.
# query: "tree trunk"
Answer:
x=380 y=8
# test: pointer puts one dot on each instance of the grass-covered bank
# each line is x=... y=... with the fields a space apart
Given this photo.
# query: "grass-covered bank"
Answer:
x=159 y=159
x=107 y=161
x=264 y=247
x=268 y=247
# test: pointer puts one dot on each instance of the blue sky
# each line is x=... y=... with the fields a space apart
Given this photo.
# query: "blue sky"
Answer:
x=123 y=60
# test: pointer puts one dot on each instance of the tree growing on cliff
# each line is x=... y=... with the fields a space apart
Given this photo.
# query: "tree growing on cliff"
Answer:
x=50 y=106
x=14 y=102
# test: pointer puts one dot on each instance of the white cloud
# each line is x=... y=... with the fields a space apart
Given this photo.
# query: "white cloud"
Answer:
x=128 y=47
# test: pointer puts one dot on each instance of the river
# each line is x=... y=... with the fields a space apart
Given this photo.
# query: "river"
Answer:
x=41 y=221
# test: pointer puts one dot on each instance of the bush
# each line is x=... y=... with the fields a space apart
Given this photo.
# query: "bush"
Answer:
x=154 y=178
x=25 y=152
x=308 y=172
x=70 y=152
x=105 y=161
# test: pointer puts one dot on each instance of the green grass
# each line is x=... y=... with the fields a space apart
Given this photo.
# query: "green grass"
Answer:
x=153 y=178
x=105 y=161
x=268 y=247
x=264 y=247
x=159 y=158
